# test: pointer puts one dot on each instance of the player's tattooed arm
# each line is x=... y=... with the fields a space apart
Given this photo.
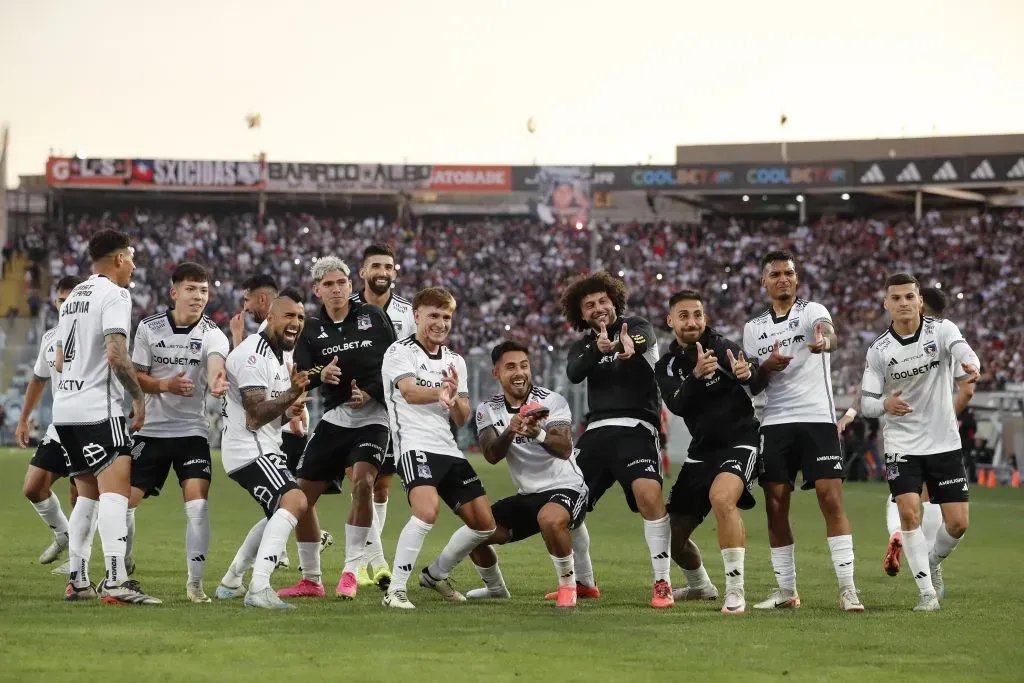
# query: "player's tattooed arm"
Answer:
x=495 y=446
x=121 y=363
x=259 y=410
x=558 y=441
x=825 y=339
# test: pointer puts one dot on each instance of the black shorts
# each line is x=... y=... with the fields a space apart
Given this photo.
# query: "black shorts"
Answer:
x=811 y=447
x=690 y=493
x=518 y=513
x=50 y=456
x=266 y=479
x=387 y=468
x=623 y=454
x=944 y=473
x=292 y=445
x=153 y=457
x=333 y=449
x=454 y=478
x=92 y=447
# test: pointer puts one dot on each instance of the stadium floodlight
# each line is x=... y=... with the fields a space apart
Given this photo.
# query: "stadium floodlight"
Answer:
x=746 y=197
x=508 y=327
x=938 y=285
x=960 y=295
x=298 y=261
x=622 y=273
x=658 y=276
x=799 y=199
x=305 y=231
x=725 y=285
x=618 y=248
x=550 y=347
x=216 y=283
x=846 y=196
x=579 y=225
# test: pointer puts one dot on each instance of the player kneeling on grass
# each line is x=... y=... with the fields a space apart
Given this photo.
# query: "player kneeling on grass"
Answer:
x=424 y=383
x=528 y=427
x=263 y=390
x=701 y=378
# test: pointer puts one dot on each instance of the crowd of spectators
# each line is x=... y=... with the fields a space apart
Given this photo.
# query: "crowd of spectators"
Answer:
x=507 y=274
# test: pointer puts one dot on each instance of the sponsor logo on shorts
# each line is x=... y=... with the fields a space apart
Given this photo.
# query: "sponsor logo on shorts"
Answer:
x=826 y=458
x=194 y=461
x=466 y=482
x=950 y=482
x=644 y=461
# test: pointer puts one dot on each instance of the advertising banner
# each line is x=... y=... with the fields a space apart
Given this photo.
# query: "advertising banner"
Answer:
x=171 y=174
x=559 y=193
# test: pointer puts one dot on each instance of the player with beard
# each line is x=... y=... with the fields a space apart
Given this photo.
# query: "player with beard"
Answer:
x=263 y=391
x=616 y=357
x=49 y=463
x=378 y=273
x=702 y=379
x=798 y=429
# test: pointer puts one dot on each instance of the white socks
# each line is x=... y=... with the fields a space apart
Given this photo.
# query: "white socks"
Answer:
x=931 y=520
x=697 y=578
x=355 y=546
x=658 y=535
x=275 y=538
x=492 y=578
x=732 y=558
x=410 y=542
x=842 y=559
x=581 y=556
x=916 y=550
x=944 y=546
x=380 y=515
x=892 y=516
x=197 y=538
x=460 y=545
x=49 y=511
x=245 y=556
x=130 y=543
x=784 y=564
x=564 y=570
x=113 y=526
x=309 y=560
x=81 y=528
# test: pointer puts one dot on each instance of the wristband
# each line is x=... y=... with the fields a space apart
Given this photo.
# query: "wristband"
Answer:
x=851 y=413
x=828 y=344
x=542 y=435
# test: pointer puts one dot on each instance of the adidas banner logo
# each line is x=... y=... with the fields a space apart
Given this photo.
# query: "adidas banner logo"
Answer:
x=1017 y=171
x=909 y=174
x=983 y=171
x=946 y=173
x=873 y=175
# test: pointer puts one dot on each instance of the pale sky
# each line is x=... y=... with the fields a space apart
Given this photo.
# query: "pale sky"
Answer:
x=455 y=81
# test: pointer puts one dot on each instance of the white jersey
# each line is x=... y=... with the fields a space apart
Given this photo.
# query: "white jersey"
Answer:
x=46 y=370
x=803 y=391
x=88 y=392
x=163 y=350
x=420 y=427
x=533 y=467
x=254 y=365
x=399 y=310
x=289 y=359
x=921 y=366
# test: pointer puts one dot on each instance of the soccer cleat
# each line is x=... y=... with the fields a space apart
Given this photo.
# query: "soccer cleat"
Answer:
x=566 y=597
x=347 y=586
x=265 y=599
x=583 y=592
x=363 y=578
x=780 y=599
x=129 y=563
x=399 y=599
x=891 y=564
x=486 y=593
x=929 y=603
x=849 y=601
x=443 y=586
x=128 y=593
x=662 y=595
x=195 y=593
x=937 y=583
x=326 y=540
x=735 y=602
x=63 y=569
x=52 y=552
x=283 y=563
x=708 y=591
x=72 y=594
x=228 y=593
x=382 y=577
x=303 y=589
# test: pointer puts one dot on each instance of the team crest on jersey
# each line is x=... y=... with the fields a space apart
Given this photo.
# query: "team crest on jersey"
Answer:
x=195 y=345
x=252 y=360
x=793 y=324
x=363 y=322
x=124 y=294
x=931 y=349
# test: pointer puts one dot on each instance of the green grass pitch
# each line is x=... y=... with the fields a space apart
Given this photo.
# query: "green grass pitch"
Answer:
x=977 y=635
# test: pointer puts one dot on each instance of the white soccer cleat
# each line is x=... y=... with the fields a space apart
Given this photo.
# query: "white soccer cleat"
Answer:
x=397 y=599
x=735 y=602
x=52 y=552
x=937 y=583
x=780 y=599
x=228 y=593
x=444 y=587
x=708 y=591
x=266 y=599
x=929 y=603
x=849 y=601
x=195 y=593
x=284 y=563
x=486 y=593
x=63 y=569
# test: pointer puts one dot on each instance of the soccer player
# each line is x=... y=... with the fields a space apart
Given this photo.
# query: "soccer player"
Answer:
x=262 y=390
x=907 y=379
x=88 y=413
x=378 y=273
x=933 y=305
x=424 y=384
x=702 y=379
x=49 y=462
x=616 y=357
x=529 y=427
x=178 y=354
x=343 y=350
x=798 y=429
